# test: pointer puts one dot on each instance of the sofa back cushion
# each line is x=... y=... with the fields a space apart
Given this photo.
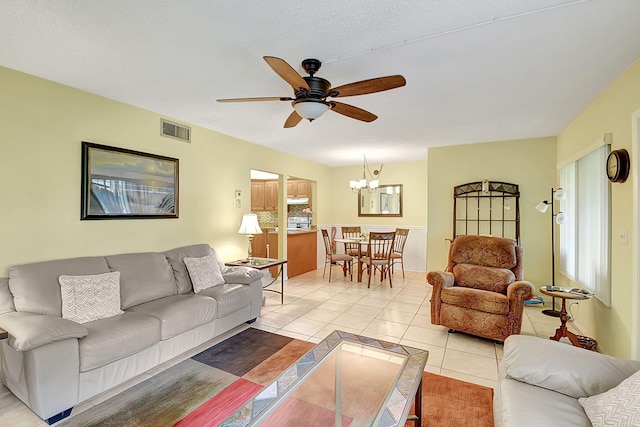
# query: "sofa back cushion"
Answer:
x=144 y=277
x=483 y=250
x=36 y=289
x=6 y=299
x=176 y=259
x=485 y=278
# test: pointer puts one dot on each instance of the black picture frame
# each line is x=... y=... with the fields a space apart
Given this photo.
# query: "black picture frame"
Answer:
x=118 y=183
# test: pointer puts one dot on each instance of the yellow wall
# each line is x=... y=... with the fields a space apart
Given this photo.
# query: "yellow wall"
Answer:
x=530 y=163
x=412 y=176
x=43 y=124
x=611 y=112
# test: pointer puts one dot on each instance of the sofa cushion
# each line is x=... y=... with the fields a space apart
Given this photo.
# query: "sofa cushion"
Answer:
x=176 y=260
x=144 y=277
x=481 y=250
x=485 y=278
x=6 y=299
x=619 y=406
x=570 y=370
x=89 y=298
x=36 y=289
x=204 y=272
x=475 y=299
x=179 y=313
x=523 y=405
x=230 y=297
x=117 y=337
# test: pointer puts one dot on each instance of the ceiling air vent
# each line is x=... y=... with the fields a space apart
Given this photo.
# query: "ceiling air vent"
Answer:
x=173 y=130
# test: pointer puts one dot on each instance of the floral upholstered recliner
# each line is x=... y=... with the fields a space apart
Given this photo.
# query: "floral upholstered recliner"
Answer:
x=482 y=292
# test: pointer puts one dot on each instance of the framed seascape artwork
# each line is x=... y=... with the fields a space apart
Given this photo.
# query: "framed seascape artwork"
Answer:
x=119 y=184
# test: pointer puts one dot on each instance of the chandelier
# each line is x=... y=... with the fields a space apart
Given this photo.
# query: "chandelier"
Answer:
x=371 y=184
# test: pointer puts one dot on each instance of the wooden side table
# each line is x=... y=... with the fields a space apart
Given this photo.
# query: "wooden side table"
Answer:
x=263 y=264
x=562 y=331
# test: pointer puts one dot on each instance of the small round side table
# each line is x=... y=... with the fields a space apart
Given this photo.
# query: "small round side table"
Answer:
x=562 y=331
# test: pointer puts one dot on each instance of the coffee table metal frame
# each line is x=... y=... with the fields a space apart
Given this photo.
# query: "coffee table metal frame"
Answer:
x=406 y=390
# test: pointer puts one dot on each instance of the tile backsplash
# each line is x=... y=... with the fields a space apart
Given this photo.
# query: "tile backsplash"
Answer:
x=269 y=219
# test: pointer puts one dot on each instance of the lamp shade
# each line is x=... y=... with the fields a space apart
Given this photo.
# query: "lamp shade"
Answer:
x=560 y=194
x=561 y=218
x=249 y=225
x=310 y=109
x=542 y=206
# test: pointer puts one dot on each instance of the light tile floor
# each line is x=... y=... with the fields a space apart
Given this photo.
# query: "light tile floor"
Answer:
x=313 y=308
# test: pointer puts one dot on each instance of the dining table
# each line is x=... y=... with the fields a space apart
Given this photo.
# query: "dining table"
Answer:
x=361 y=242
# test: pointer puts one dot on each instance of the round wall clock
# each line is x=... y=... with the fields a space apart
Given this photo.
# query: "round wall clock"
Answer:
x=618 y=165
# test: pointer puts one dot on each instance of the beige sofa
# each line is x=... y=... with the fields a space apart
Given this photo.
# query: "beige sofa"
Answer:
x=540 y=383
x=52 y=363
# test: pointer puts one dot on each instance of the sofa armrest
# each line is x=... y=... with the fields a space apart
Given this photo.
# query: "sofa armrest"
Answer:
x=564 y=368
x=438 y=280
x=29 y=330
x=241 y=275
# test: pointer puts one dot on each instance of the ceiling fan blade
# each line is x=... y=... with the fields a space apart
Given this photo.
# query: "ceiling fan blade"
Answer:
x=369 y=86
x=285 y=71
x=353 y=112
x=292 y=120
x=271 y=98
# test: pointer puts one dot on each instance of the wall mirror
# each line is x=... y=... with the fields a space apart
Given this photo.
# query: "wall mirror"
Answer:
x=386 y=200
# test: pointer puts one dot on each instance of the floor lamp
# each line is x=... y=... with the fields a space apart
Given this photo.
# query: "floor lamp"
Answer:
x=556 y=218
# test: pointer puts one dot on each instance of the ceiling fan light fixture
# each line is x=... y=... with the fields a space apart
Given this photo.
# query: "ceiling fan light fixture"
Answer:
x=310 y=109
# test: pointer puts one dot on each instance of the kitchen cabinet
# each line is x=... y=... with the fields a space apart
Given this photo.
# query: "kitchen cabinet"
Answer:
x=257 y=196
x=271 y=196
x=259 y=245
x=298 y=188
x=302 y=250
x=264 y=195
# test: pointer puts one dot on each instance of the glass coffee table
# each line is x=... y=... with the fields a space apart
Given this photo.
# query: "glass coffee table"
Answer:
x=345 y=380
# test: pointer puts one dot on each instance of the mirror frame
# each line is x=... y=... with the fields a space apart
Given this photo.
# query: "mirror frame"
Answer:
x=359 y=201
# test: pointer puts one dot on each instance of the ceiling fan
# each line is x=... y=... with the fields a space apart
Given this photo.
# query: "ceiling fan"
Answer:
x=311 y=92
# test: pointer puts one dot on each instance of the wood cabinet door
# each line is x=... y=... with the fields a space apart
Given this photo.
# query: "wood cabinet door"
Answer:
x=257 y=196
x=259 y=245
x=298 y=188
x=291 y=188
x=271 y=195
x=302 y=188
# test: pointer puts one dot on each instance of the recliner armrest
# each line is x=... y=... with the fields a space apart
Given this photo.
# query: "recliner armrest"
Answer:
x=520 y=290
x=442 y=279
x=564 y=368
x=241 y=275
x=29 y=330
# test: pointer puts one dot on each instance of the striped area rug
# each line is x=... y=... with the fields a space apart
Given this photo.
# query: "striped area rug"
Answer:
x=205 y=389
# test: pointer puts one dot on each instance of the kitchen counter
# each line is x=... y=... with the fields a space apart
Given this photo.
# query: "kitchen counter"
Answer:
x=313 y=230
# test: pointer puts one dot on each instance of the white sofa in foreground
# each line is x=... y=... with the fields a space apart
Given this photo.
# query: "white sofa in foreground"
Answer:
x=548 y=383
x=142 y=312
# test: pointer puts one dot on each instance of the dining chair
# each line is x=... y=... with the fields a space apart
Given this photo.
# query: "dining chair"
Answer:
x=397 y=256
x=351 y=233
x=378 y=257
x=333 y=259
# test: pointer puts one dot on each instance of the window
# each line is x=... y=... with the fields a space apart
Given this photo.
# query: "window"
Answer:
x=585 y=237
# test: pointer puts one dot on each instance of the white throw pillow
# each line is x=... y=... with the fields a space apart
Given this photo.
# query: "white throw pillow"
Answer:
x=204 y=272
x=619 y=406
x=89 y=298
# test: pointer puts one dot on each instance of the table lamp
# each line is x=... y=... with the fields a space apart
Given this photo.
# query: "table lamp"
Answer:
x=250 y=227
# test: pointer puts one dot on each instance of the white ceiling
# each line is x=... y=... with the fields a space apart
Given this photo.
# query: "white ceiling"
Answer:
x=476 y=70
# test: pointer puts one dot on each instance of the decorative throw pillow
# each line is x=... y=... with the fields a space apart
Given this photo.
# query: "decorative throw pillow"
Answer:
x=619 y=406
x=204 y=272
x=89 y=298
